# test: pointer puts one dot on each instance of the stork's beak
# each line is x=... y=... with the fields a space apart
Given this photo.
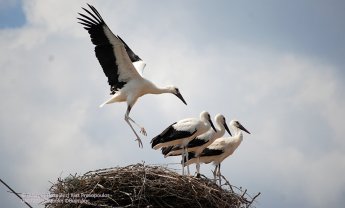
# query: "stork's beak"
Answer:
x=227 y=128
x=212 y=125
x=181 y=98
x=242 y=128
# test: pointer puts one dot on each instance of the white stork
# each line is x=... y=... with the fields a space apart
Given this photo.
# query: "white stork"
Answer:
x=220 y=149
x=181 y=132
x=199 y=143
x=117 y=59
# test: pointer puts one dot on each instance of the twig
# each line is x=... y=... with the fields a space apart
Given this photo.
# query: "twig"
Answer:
x=142 y=189
x=250 y=203
x=244 y=193
x=15 y=193
x=228 y=183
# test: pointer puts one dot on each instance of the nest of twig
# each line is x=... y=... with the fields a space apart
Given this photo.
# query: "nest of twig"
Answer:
x=142 y=185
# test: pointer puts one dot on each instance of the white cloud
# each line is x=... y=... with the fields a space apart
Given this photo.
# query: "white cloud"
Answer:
x=288 y=152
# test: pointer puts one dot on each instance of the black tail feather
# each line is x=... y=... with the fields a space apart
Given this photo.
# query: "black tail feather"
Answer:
x=166 y=150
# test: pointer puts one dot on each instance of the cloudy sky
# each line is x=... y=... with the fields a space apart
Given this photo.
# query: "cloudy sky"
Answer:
x=276 y=66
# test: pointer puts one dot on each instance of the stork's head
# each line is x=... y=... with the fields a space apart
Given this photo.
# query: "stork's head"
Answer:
x=174 y=90
x=222 y=121
x=238 y=125
x=205 y=116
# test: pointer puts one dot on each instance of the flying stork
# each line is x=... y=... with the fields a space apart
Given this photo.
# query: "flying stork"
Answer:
x=220 y=149
x=182 y=132
x=199 y=143
x=117 y=61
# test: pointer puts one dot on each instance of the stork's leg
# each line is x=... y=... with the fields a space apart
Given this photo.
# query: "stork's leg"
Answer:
x=142 y=129
x=215 y=174
x=183 y=161
x=219 y=175
x=185 y=153
x=188 y=172
x=127 y=118
x=198 y=167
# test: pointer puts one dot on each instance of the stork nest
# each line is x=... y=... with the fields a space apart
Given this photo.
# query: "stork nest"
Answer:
x=143 y=185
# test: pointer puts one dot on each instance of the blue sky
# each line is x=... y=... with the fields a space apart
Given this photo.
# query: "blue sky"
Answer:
x=276 y=66
x=11 y=14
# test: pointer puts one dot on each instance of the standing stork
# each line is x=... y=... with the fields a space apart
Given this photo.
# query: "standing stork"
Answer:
x=220 y=149
x=181 y=132
x=117 y=59
x=199 y=143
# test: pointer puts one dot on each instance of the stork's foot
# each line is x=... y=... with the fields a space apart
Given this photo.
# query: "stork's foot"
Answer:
x=139 y=142
x=143 y=131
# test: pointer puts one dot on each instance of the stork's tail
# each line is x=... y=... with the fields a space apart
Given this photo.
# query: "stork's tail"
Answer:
x=103 y=104
x=166 y=150
x=111 y=100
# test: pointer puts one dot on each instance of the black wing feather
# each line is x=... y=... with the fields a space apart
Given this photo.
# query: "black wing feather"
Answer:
x=134 y=57
x=170 y=134
x=96 y=12
x=92 y=21
x=211 y=152
x=166 y=150
x=193 y=143
x=196 y=143
x=96 y=26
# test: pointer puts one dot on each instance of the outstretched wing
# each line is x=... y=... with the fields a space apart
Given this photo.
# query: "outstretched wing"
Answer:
x=112 y=52
x=138 y=63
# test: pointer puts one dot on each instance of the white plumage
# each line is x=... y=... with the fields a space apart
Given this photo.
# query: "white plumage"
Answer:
x=181 y=132
x=117 y=61
x=220 y=149
x=199 y=143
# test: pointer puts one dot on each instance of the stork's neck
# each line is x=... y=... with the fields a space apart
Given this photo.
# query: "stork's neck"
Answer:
x=154 y=89
x=237 y=139
x=220 y=130
x=161 y=90
x=238 y=132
